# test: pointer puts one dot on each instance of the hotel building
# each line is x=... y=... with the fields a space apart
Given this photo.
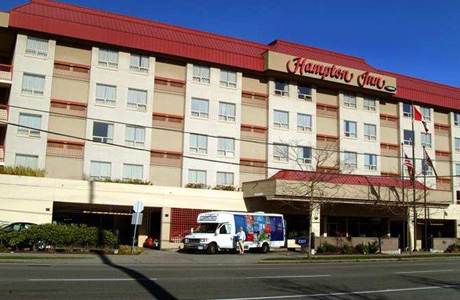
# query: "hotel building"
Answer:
x=211 y=123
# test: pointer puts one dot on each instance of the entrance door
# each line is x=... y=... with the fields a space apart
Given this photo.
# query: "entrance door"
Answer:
x=225 y=237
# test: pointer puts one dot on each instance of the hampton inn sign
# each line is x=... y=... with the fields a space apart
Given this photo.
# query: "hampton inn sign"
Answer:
x=324 y=71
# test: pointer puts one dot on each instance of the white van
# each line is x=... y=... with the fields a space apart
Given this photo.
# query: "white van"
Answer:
x=217 y=231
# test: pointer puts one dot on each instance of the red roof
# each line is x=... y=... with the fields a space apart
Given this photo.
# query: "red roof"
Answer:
x=346 y=179
x=114 y=29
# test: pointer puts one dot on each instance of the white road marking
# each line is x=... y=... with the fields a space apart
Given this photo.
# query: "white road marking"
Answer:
x=289 y=276
x=427 y=271
x=349 y=293
x=91 y=279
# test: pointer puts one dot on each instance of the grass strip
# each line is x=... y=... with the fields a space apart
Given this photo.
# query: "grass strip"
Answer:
x=27 y=257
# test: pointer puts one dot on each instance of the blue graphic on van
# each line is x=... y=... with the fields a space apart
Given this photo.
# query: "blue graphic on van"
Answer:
x=260 y=228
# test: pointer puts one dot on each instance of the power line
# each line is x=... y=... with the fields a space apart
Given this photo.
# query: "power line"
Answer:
x=214 y=136
x=185 y=156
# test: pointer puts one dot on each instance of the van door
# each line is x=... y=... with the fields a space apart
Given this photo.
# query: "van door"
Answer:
x=225 y=236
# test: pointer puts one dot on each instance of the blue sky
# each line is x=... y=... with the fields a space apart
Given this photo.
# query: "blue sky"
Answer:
x=419 y=38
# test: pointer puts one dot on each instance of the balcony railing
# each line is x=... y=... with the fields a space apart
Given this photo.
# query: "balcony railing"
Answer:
x=65 y=148
x=71 y=70
x=2 y=155
x=167 y=120
x=3 y=112
x=169 y=85
x=5 y=72
x=165 y=158
x=253 y=132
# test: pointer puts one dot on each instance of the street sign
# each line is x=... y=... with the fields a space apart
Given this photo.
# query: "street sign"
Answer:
x=138 y=206
x=302 y=241
x=136 y=219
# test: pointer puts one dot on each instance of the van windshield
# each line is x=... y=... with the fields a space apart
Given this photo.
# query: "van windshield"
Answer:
x=206 y=228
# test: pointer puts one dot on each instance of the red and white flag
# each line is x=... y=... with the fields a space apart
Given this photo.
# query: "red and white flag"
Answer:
x=419 y=117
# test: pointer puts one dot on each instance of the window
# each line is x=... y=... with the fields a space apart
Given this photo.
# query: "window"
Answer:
x=201 y=74
x=280 y=152
x=304 y=93
x=408 y=137
x=37 y=47
x=227 y=111
x=137 y=99
x=100 y=170
x=457 y=169
x=304 y=122
x=426 y=113
x=200 y=108
x=28 y=161
x=224 y=178
x=197 y=176
x=457 y=144
x=350 y=159
x=304 y=155
x=407 y=110
x=281 y=88
x=370 y=132
x=369 y=104
x=281 y=119
x=198 y=143
x=456 y=119
x=108 y=58
x=33 y=121
x=33 y=85
x=370 y=161
x=102 y=132
x=350 y=129
x=226 y=147
x=106 y=95
x=349 y=100
x=228 y=79
x=135 y=136
x=139 y=63
x=426 y=139
x=133 y=172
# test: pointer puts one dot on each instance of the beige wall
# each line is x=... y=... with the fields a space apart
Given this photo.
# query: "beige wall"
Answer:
x=170 y=70
x=4 y=19
x=389 y=135
x=253 y=115
x=166 y=140
x=327 y=97
x=388 y=108
x=169 y=103
x=165 y=176
x=443 y=168
x=73 y=55
x=68 y=89
x=442 y=118
x=327 y=126
x=254 y=84
x=389 y=165
x=442 y=142
x=246 y=177
x=256 y=150
x=69 y=126
x=64 y=167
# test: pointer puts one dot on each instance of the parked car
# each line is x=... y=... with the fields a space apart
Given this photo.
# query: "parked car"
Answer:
x=18 y=226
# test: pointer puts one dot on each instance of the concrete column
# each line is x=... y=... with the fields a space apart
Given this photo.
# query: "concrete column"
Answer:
x=165 y=227
x=410 y=229
x=316 y=220
x=325 y=226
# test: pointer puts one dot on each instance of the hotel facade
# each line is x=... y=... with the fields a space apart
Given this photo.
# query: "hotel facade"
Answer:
x=205 y=122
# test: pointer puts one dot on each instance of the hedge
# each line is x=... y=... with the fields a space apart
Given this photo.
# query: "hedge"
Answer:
x=58 y=236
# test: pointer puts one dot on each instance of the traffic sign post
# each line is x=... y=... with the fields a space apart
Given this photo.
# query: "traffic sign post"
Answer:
x=136 y=219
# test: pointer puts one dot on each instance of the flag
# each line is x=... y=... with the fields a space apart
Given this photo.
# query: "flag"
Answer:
x=417 y=114
x=409 y=165
x=429 y=162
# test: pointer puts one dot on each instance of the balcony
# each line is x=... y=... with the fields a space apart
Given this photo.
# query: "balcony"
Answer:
x=2 y=155
x=165 y=158
x=5 y=74
x=253 y=132
x=3 y=112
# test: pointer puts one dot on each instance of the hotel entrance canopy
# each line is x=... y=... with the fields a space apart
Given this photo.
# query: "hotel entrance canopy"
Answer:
x=342 y=188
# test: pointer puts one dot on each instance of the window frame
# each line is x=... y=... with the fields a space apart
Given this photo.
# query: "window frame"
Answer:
x=197 y=113
x=196 y=176
x=349 y=134
x=139 y=68
x=408 y=142
x=457 y=144
x=136 y=143
x=367 y=107
x=36 y=52
x=423 y=110
x=303 y=96
x=225 y=152
x=131 y=178
x=107 y=139
x=457 y=120
x=28 y=156
x=99 y=177
x=346 y=162
x=34 y=132
x=106 y=63
x=279 y=125
x=105 y=101
x=200 y=78
x=33 y=91
x=349 y=104
x=225 y=175
x=199 y=148
x=224 y=117
x=405 y=113
x=281 y=157
x=227 y=83
x=369 y=137
x=281 y=92
x=138 y=107
x=305 y=128
x=422 y=136
x=372 y=158
x=303 y=159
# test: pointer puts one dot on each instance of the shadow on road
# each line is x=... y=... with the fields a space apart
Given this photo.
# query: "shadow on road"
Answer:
x=429 y=281
x=149 y=285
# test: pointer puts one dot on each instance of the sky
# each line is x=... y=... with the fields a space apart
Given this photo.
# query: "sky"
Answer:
x=419 y=38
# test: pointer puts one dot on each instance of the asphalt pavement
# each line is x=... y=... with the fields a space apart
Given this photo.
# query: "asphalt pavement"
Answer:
x=183 y=276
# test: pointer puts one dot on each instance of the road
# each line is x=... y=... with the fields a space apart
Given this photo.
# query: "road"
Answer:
x=427 y=279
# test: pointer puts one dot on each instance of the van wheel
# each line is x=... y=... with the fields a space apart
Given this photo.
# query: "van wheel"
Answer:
x=212 y=248
x=265 y=248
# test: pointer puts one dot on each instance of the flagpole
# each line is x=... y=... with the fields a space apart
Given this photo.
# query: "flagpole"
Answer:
x=424 y=198
x=403 y=199
x=413 y=177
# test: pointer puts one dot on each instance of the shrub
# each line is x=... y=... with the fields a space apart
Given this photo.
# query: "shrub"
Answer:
x=225 y=188
x=60 y=236
x=327 y=248
x=362 y=249
x=197 y=186
x=347 y=249
x=454 y=248
x=125 y=249
x=373 y=247
x=22 y=171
